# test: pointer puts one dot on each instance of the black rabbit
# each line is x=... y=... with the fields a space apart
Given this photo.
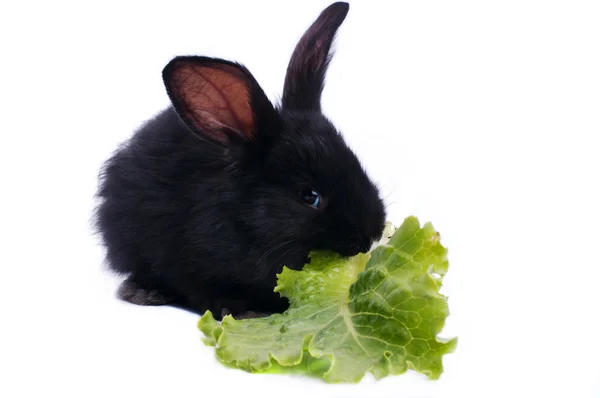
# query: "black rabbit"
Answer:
x=207 y=202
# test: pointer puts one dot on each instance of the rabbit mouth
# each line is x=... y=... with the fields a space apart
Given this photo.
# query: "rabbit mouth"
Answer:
x=350 y=251
x=345 y=247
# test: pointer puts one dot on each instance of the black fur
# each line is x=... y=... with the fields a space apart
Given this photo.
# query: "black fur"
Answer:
x=207 y=224
x=305 y=74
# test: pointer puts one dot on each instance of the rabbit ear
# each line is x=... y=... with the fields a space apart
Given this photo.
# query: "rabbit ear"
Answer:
x=218 y=99
x=306 y=71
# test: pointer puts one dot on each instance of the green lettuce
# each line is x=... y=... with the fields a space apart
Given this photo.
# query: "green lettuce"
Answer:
x=378 y=312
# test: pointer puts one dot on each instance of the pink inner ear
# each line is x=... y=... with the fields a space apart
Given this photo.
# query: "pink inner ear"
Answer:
x=214 y=98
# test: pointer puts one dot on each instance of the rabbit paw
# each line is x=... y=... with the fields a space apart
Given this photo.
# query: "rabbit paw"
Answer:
x=244 y=315
x=252 y=314
x=131 y=292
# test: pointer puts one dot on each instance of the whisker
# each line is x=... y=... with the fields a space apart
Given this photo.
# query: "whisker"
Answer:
x=283 y=255
x=274 y=248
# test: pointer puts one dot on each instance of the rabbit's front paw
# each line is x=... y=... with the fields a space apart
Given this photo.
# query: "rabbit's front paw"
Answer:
x=131 y=292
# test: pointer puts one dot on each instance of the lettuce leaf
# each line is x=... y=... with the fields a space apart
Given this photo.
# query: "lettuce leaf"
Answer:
x=378 y=312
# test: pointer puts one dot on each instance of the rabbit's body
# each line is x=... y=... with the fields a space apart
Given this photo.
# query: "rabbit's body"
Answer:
x=210 y=199
x=170 y=213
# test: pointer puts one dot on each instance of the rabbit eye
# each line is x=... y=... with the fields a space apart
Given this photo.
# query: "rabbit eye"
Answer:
x=310 y=197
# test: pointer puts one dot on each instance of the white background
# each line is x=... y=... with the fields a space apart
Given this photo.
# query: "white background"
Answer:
x=482 y=117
